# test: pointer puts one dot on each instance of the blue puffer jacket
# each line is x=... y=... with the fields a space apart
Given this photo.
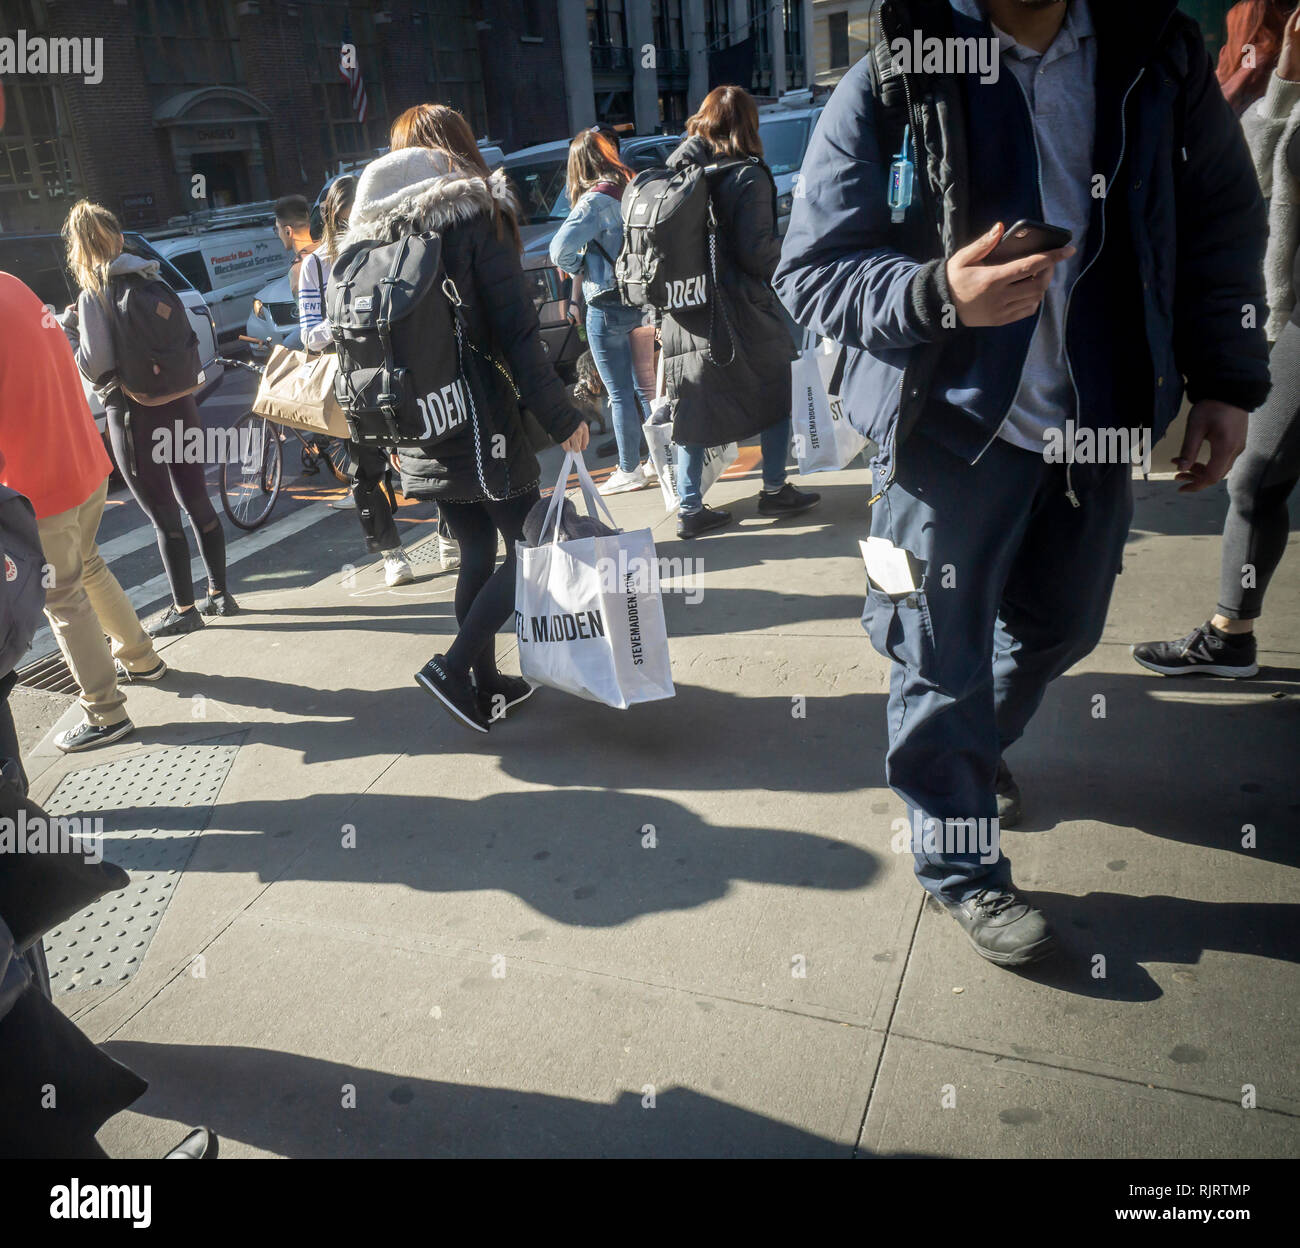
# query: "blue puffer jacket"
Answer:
x=1174 y=254
x=596 y=216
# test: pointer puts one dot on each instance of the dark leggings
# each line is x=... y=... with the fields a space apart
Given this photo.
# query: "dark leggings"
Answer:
x=1255 y=534
x=163 y=483
x=485 y=599
x=367 y=466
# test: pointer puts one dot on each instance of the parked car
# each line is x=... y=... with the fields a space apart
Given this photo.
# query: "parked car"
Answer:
x=227 y=267
x=785 y=132
x=38 y=260
x=538 y=174
x=274 y=315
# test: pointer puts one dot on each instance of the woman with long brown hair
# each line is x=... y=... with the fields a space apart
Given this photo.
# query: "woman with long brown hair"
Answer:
x=100 y=264
x=733 y=383
x=436 y=179
x=588 y=243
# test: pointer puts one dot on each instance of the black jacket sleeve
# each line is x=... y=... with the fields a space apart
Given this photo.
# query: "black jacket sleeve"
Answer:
x=1222 y=231
x=755 y=245
x=515 y=331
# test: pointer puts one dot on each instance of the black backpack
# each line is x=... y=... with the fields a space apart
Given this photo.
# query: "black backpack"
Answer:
x=22 y=590
x=669 y=258
x=396 y=320
x=155 y=345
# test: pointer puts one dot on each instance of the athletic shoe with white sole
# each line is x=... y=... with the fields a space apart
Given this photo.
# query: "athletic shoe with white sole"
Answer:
x=456 y=693
x=496 y=698
x=649 y=473
x=126 y=676
x=86 y=736
x=448 y=553
x=621 y=482
x=397 y=571
x=1203 y=650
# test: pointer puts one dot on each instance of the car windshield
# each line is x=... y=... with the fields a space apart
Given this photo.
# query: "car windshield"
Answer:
x=540 y=185
x=784 y=140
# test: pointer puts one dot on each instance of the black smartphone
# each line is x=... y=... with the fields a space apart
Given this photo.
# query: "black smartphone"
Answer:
x=1027 y=238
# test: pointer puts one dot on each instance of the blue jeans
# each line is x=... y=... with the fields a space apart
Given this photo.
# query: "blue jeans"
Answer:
x=774 y=442
x=607 y=336
x=1014 y=583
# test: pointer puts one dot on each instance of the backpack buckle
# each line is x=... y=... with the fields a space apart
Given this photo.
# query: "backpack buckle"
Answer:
x=453 y=295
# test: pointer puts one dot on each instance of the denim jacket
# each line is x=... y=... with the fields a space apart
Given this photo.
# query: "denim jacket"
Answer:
x=595 y=216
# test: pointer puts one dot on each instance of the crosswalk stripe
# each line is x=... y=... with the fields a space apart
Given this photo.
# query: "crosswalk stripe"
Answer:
x=157 y=587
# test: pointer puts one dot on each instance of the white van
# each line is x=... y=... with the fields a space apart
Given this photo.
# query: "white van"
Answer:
x=227 y=267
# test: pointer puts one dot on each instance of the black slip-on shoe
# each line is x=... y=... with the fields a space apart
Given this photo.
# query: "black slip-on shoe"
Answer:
x=86 y=736
x=787 y=501
x=173 y=623
x=1008 y=794
x=706 y=520
x=220 y=603
x=1004 y=929
x=200 y=1145
x=1201 y=651
x=456 y=693
x=496 y=698
x=125 y=676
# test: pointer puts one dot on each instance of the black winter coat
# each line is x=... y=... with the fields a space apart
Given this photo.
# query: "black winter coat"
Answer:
x=717 y=402
x=505 y=354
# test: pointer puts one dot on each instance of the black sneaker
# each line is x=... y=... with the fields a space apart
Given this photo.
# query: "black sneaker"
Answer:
x=173 y=623
x=456 y=693
x=1202 y=650
x=126 y=676
x=787 y=501
x=1003 y=928
x=695 y=523
x=498 y=696
x=86 y=736
x=220 y=603
x=1008 y=792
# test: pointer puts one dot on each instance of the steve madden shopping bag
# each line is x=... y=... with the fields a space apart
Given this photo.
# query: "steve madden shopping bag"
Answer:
x=658 y=432
x=588 y=613
x=297 y=389
x=820 y=433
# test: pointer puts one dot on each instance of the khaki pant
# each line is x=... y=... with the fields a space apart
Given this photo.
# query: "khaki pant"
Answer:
x=83 y=602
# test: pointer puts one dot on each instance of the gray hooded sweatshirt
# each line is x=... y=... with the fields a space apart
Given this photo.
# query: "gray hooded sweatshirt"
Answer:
x=91 y=336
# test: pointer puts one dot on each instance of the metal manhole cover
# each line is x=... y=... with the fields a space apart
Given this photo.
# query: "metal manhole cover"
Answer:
x=154 y=806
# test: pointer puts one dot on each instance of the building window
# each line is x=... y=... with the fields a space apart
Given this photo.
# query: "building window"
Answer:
x=342 y=136
x=667 y=16
x=187 y=43
x=606 y=26
x=839 y=31
x=455 y=70
x=794 y=66
x=37 y=152
x=716 y=25
x=532 y=19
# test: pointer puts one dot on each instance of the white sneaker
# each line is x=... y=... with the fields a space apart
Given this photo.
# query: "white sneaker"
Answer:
x=396 y=569
x=624 y=482
x=649 y=473
x=448 y=553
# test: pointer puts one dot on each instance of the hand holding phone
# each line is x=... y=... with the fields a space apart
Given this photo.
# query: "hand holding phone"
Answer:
x=988 y=293
x=1027 y=238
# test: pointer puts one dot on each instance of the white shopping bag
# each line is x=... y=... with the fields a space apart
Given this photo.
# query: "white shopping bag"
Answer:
x=822 y=438
x=588 y=614
x=663 y=454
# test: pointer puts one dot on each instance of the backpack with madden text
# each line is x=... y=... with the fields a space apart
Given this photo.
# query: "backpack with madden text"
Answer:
x=395 y=315
x=669 y=259
x=155 y=345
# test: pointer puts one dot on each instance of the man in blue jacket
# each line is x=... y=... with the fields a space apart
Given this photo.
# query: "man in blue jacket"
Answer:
x=997 y=393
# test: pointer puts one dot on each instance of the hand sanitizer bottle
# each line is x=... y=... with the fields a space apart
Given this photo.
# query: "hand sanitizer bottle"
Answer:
x=900 y=181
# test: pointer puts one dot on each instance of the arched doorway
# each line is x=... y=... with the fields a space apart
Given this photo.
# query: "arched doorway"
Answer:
x=215 y=133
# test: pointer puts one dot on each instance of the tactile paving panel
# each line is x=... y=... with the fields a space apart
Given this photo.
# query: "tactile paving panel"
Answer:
x=154 y=806
x=423 y=552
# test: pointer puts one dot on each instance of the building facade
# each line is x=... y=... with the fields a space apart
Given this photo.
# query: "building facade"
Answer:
x=203 y=103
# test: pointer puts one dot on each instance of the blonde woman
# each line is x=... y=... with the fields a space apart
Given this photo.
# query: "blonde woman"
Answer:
x=161 y=483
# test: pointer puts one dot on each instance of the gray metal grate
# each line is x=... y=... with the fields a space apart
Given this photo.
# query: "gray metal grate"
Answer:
x=107 y=942
x=49 y=673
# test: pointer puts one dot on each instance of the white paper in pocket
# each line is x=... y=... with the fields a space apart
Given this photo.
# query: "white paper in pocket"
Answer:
x=889 y=566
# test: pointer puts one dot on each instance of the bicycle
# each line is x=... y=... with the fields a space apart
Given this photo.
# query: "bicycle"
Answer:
x=250 y=483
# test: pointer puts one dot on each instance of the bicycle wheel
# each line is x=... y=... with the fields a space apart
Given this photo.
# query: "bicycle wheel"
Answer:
x=336 y=453
x=251 y=484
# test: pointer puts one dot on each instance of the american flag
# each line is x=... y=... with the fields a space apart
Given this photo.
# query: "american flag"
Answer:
x=352 y=76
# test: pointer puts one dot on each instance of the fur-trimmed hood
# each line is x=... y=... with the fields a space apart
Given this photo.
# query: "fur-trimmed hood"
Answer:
x=420 y=188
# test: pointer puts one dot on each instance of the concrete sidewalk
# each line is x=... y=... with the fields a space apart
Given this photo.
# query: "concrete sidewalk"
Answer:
x=369 y=932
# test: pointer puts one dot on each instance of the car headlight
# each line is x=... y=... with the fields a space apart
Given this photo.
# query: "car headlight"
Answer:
x=785 y=204
x=258 y=307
